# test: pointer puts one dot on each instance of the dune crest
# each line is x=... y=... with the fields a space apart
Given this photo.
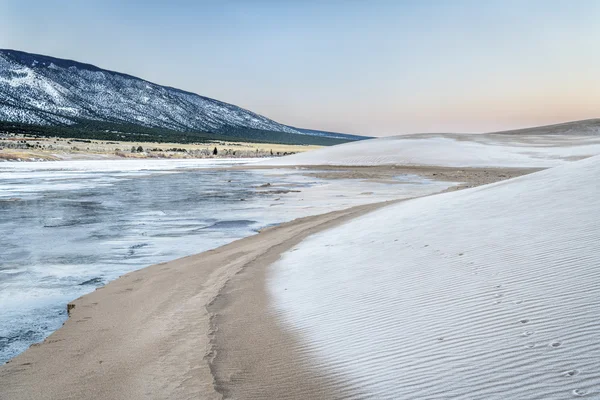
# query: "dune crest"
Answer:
x=539 y=147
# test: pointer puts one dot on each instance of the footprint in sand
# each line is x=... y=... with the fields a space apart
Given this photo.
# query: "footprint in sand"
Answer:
x=524 y=320
x=530 y=345
x=571 y=372
x=580 y=392
x=527 y=333
x=555 y=344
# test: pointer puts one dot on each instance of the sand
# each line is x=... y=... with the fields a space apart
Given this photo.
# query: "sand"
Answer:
x=253 y=358
x=191 y=328
x=469 y=177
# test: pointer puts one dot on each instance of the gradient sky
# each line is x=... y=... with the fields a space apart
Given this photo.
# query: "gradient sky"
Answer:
x=366 y=67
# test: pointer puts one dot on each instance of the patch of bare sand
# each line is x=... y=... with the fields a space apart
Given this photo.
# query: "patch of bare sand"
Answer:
x=253 y=358
x=468 y=177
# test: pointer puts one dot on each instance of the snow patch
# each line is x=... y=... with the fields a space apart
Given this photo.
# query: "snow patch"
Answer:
x=487 y=293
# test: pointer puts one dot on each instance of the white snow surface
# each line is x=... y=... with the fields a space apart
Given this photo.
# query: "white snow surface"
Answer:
x=454 y=150
x=486 y=293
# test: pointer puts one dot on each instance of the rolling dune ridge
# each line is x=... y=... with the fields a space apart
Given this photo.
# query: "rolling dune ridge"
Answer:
x=541 y=147
x=490 y=292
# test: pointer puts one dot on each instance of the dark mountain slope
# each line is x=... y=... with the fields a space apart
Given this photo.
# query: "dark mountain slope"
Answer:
x=45 y=93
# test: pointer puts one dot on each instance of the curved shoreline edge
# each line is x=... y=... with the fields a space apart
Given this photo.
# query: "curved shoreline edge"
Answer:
x=254 y=356
x=152 y=332
x=244 y=361
x=147 y=334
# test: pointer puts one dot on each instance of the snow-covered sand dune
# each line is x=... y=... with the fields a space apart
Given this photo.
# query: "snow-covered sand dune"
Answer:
x=537 y=148
x=486 y=293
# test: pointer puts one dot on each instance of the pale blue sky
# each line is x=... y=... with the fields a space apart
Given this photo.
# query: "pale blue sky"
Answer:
x=367 y=67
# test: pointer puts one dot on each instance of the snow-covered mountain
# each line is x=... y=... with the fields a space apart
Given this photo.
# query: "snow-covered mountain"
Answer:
x=42 y=90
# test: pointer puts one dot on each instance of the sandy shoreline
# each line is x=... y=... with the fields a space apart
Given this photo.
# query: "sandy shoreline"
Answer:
x=252 y=357
x=144 y=334
x=150 y=333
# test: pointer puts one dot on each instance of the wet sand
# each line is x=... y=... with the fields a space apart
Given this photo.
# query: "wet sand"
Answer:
x=469 y=177
x=197 y=327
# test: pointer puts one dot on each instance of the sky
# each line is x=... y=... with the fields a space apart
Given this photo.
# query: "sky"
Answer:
x=366 y=67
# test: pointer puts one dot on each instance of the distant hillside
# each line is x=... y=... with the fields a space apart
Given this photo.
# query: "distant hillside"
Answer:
x=586 y=127
x=46 y=95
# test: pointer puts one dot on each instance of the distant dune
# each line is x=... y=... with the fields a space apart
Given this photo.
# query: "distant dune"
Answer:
x=575 y=128
x=534 y=147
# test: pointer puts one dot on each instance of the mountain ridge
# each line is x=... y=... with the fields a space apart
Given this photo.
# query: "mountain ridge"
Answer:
x=41 y=90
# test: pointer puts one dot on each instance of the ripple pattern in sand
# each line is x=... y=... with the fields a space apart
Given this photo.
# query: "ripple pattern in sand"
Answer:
x=488 y=293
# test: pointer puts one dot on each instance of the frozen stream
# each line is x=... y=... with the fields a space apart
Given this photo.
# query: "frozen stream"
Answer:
x=69 y=227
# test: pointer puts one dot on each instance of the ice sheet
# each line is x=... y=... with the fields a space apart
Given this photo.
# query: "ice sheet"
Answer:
x=69 y=227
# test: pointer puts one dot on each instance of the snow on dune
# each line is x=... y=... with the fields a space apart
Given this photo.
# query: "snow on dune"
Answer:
x=453 y=150
x=486 y=293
